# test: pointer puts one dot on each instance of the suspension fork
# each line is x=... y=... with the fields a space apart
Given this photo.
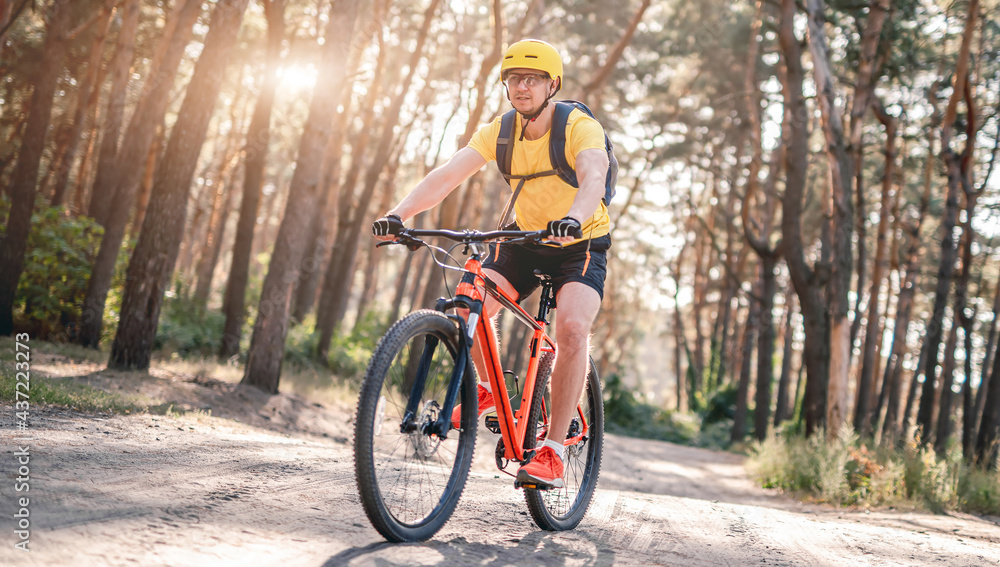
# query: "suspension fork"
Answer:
x=468 y=297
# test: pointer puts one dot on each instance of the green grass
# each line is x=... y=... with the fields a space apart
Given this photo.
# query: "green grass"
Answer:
x=846 y=471
x=311 y=381
x=63 y=392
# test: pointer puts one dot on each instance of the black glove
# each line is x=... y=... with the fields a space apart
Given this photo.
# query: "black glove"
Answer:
x=566 y=226
x=389 y=224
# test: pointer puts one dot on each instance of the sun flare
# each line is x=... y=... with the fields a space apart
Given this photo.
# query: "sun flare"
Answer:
x=297 y=77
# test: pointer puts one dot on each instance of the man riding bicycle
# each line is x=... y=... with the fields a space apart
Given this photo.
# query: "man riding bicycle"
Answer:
x=577 y=219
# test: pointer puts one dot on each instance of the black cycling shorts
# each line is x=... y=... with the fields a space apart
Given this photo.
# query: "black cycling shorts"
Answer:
x=574 y=263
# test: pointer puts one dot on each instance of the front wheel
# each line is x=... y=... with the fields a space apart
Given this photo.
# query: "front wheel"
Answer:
x=563 y=508
x=410 y=479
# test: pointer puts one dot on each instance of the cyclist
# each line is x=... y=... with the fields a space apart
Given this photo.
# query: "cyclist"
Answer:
x=577 y=219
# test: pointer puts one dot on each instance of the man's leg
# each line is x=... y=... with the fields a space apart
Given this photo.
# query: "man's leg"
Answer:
x=578 y=305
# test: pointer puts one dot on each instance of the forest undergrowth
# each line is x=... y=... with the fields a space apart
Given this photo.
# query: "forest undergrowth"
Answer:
x=846 y=470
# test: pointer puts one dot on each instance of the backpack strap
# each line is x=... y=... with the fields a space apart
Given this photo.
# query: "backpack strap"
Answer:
x=557 y=141
x=505 y=143
x=505 y=155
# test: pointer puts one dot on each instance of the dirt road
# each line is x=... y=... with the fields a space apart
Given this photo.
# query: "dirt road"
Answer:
x=277 y=488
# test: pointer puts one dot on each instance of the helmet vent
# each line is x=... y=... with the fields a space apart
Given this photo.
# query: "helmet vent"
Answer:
x=531 y=57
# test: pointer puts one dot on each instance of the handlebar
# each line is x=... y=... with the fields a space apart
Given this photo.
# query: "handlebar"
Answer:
x=411 y=237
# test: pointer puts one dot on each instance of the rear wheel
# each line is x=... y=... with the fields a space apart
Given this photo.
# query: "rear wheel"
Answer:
x=410 y=481
x=563 y=508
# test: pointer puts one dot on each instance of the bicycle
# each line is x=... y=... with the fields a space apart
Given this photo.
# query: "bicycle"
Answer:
x=410 y=471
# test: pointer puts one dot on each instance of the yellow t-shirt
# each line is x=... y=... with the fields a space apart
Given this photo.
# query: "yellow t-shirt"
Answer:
x=547 y=198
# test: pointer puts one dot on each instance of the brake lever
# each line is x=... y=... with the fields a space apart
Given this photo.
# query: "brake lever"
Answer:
x=413 y=244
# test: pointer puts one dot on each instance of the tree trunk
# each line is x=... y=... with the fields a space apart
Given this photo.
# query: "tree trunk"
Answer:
x=842 y=171
x=683 y=404
x=863 y=414
x=146 y=185
x=988 y=438
x=959 y=319
x=944 y=417
x=254 y=159
x=80 y=194
x=128 y=168
x=87 y=95
x=988 y=358
x=213 y=244
x=333 y=301
x=152 y=263
x=968 y=409
x=267 y=344
x=24 y=180
x=102 y=191
x=807 y=283
x=742 y=393
x=760 y=243
x=765 y=348
x=224 y=180
x=324 y=225
x=957 y=177
x=372 y=260
x=892 y=376
x=783 y=408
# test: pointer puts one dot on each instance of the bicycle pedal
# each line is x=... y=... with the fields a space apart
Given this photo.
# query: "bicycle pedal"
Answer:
x=532 y=485
x=493 y=424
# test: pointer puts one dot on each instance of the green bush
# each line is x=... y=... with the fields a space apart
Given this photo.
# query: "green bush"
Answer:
x=188 y=329
x=845 y=471
x=349 y=351
x=57 y=265
x=627 y=415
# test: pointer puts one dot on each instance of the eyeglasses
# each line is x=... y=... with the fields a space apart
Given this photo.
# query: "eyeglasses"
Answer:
x=529 y=80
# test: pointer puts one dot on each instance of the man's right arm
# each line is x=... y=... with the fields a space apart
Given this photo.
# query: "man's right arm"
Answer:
x=439 y=183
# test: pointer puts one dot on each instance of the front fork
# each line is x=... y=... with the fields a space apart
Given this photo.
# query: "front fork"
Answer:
x=463 y=357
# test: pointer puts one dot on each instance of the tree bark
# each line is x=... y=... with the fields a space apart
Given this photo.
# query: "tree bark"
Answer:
x=159 y=242
x=863 y=414
x=742 y=392
x=324 y=225
x=765 y=347
x=87 y=95
x=783 y=408
x=988 y=438
x=254 y=159
x=213 y=243
x=957 y=177
x=267 y=344
x=333 y=302
x=103 y=189
x=807 y=283
x=24 y=179
x=129 y=166
x=988 y=358
x=842 y=171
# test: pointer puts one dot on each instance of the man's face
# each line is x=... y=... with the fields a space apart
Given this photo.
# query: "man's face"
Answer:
x=528 y=89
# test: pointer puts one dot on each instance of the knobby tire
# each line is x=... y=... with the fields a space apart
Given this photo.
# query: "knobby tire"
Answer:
x=410 y=483
x=559 y=509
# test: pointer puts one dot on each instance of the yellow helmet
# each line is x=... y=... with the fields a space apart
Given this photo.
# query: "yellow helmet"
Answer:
x=533 y=54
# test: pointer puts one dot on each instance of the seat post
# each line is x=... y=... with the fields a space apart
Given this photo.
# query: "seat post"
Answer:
x=547 y=300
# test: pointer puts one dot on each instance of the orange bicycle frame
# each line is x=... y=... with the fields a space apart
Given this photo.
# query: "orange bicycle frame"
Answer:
x=513 y=427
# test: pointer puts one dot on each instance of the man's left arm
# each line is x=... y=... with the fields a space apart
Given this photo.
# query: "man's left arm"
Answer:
x=591 y=173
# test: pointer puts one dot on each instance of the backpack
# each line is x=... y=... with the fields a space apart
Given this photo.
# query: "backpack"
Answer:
x=557 y=153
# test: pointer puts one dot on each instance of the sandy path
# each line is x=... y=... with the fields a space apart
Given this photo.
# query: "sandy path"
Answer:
x=197 y=490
